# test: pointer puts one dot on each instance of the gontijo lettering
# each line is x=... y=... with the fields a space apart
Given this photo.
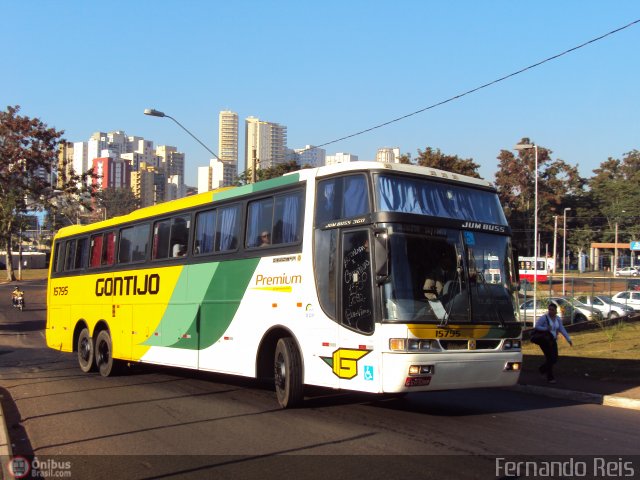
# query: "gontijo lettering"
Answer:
x=269 y=280
x=128 y=285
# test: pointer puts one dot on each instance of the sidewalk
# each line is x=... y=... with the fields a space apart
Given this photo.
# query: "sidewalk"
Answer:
x=582 y=389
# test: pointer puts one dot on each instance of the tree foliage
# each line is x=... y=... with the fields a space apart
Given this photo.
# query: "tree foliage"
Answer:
x=450 y=163
x=559 y=186
x=28 y=153
x=270 y=172
x=112 y=202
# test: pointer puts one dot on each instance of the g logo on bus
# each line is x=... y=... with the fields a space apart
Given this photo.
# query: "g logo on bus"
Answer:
x=344 y=362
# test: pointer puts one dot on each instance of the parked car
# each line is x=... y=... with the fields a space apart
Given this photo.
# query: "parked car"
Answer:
x=570 y=310
x=606 y=305
x=629 y=298
x=627 y=272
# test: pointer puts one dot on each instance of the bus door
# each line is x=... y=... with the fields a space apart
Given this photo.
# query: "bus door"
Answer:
x=357 y=367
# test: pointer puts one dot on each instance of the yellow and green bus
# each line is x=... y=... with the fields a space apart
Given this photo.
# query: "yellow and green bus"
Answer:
x=361 y=276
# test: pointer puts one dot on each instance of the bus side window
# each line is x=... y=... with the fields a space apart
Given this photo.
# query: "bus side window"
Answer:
x=287 y=225
x=81 y=255
x=69 y=255
x=205 y=232
x=227 y=228
x=109 y=249
x=259 y=223
x=60 y=252
x=96 y=251
x=179 y=237
x=341 y=197
x=134 y=243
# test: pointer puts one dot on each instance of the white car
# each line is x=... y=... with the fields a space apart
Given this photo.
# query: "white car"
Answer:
x=627 y=272
x=629 y=298
x=606 y=305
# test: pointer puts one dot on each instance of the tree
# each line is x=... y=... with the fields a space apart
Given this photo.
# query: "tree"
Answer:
x=450 y=163
x=28 y=152
x=271 y=172
x=614 y=195
x=559 y=186
x=116 y=201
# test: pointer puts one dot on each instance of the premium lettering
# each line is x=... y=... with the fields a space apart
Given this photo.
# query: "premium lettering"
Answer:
x=261 y=280
x=128 y=285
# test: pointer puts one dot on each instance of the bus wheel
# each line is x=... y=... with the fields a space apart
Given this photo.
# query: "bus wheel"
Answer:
x=288 y=373
x=104 y=357
x=85 y=351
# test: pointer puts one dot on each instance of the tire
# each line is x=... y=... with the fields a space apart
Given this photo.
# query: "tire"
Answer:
x=579 y=318
x=86 y=355
x=104 y=354
x=287 y=367
x=613 y=314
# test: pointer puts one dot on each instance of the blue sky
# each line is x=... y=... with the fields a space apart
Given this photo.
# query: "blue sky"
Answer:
x=329 y=69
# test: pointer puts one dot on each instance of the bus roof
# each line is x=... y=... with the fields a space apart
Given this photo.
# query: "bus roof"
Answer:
x=287 y=179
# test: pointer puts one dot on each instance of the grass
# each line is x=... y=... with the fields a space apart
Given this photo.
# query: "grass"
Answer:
x=608 y=353
x=27 y=274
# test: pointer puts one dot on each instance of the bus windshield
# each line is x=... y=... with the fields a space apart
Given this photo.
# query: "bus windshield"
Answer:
x=440 y=275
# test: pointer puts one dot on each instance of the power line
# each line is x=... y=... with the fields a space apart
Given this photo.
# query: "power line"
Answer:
x=473 y=90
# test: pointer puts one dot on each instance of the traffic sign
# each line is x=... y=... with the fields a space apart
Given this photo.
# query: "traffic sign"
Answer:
x=635 y=246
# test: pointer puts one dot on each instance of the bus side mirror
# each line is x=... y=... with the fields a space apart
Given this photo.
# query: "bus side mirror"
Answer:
x=381 y=255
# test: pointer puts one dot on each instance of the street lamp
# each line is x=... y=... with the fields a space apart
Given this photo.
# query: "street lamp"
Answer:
x=555 y=242
x=522 y=147
x=157 y=113
x=564 y=246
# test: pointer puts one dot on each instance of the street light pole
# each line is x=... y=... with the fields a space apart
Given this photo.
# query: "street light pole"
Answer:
x=157 y=113
x=555 y=241
x=564 y=246
x=528 y=146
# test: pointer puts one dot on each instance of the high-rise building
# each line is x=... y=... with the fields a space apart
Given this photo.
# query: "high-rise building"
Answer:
x=340 y=158
x=228 y=136
x=111 y=172
x=310 y=155
x=148 y=185
x=64 y=169
x=266 y=143
x=217 y=174
x=388 y=155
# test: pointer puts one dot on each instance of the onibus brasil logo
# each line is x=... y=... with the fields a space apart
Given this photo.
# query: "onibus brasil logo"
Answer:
x=344 y=362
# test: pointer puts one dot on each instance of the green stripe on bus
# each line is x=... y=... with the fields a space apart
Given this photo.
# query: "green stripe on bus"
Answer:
x=257 y=187
x=218 y=288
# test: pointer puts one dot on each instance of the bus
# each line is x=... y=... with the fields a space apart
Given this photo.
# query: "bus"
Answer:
x=313 y=278
x=528 y=271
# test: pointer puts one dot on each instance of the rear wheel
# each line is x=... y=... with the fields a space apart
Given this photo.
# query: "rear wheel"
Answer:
x=288 y=373
x=85 y=351
x=104 y=354
x=613 y=314
x=579 y=318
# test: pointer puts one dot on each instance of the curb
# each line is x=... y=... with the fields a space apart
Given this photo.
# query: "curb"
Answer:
x=582 y=397
x=5 y=447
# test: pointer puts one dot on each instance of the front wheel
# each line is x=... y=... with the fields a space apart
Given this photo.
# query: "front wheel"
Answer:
x=613 y=314
x=104 y=354
x=288 y=373
x=85 y=351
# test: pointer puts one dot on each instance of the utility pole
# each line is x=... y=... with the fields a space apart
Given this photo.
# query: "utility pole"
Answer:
x=555 y=242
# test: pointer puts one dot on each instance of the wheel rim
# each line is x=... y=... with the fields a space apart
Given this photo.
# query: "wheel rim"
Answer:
x=103 y=353
x=280 y=372
x=85 y=350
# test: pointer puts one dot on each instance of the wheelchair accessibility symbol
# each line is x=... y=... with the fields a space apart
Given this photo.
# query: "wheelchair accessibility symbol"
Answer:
x=368 y=372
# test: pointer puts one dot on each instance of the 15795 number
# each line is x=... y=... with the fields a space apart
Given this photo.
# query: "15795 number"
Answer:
x=59 y=291
x=440 y=333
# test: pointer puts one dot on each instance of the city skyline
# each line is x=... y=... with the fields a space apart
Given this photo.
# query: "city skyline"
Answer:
x=582 y=105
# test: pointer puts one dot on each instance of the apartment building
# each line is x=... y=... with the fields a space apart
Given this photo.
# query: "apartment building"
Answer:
x=266 y=143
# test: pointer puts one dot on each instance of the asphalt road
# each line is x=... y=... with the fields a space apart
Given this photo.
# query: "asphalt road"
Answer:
x=156 y=422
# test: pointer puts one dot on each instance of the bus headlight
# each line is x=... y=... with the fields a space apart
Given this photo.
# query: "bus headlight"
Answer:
x=510 y=344
x=411 y=345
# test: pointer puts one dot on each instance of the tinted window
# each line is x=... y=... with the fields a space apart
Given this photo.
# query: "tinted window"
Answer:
x=134 y=243
x=341 y=197
x=170 y=237
x=227 y=229
x=204 y=239
x=275 y=221
x=95 y=256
